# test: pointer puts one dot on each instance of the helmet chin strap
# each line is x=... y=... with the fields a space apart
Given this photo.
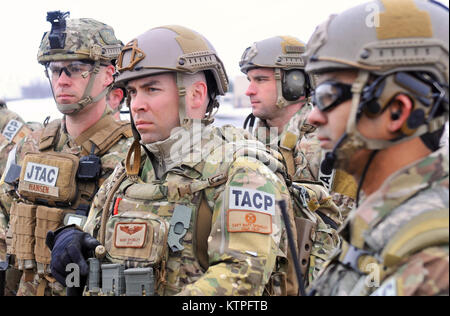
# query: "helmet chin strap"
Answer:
x=181 y=100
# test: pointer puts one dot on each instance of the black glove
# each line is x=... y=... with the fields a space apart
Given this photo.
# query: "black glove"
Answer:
x=70 y=245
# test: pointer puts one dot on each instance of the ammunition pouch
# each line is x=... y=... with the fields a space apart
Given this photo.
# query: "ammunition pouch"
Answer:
x=28 y=229
x=115 y=280
x=22 y=225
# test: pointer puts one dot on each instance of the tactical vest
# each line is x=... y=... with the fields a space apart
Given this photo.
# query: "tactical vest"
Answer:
x=54 y=185
x=373 y=254
x=164 y=224
x=316 y=216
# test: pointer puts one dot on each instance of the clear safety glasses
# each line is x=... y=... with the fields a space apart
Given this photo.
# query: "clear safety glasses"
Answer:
x=73 y=69
x=329 y=94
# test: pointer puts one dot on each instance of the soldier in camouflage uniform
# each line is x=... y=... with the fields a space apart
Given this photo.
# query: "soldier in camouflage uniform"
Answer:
x=279 y=91
x=207 y=196
x=13 y=129
x=381 y=103
x=79 y=57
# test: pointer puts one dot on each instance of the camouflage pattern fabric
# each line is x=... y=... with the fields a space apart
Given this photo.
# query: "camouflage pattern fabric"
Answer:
x=296 y=126
x=245 y=241
x=67 y=144
x=85 y=39
x=307 y=160
x=416 y=192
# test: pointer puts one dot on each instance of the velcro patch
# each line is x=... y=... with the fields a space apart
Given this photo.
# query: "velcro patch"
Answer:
x=130 y=235
x=251 y=200
x=11 y=129
x=41 y=174
x=239 y=221
x=39 y=188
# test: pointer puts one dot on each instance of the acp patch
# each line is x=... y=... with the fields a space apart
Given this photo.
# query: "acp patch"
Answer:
x=11 y=129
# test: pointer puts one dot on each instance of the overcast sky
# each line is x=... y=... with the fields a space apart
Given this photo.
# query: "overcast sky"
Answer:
x=231 y=26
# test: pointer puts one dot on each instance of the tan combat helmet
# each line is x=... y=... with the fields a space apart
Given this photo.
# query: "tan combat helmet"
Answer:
x=176 y=49
x=403 y=46
x=280 y=53
x=79 y=39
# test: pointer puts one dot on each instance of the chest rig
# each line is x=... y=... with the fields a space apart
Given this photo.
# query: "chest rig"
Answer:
x=162 y=225
x=56 y=187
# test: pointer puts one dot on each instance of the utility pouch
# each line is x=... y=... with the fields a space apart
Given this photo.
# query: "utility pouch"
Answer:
x=49 y=177
x=139 y=238
x=47 y=219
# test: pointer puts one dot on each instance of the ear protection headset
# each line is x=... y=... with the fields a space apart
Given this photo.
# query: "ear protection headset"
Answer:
x=411 y=85
x=295 y=84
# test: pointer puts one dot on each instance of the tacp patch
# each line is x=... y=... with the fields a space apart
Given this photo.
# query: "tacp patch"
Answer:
x=251 y=200
x=239 y=221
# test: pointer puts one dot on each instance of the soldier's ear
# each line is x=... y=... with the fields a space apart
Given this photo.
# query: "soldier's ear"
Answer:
x=109 y=72
x=399 y=112
x=197 y=95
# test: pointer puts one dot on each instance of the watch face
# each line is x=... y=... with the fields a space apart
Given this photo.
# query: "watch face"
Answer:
x=78 y=220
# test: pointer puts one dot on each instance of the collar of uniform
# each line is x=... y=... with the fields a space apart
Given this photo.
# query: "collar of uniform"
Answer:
x=185 y=146
x=397 y=188
x=70 y=141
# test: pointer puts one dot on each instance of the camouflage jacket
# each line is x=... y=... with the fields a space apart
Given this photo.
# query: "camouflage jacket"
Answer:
x=246 y=236
x=397 y=240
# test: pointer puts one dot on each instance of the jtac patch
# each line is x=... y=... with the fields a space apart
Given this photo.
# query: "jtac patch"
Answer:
x=41 y=174
x=11 y=129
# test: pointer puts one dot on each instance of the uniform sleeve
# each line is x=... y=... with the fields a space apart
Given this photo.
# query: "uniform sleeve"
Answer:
x=246 y=232
x=425 y=274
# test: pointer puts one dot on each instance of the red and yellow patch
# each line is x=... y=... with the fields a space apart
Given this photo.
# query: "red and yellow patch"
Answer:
x=239 y=221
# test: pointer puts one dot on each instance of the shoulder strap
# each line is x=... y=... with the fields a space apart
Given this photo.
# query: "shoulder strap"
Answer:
x=289 y=159
x=203 y=229
x=104 y=134
x=49 y=135
x=426 y=230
